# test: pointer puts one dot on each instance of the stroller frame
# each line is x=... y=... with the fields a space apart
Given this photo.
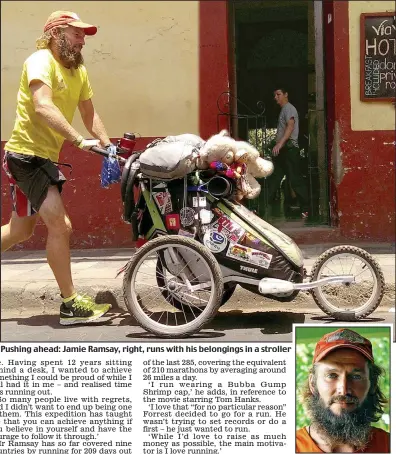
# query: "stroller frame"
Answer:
x=174 y=272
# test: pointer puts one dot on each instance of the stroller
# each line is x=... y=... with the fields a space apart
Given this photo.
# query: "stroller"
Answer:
x=196 y=243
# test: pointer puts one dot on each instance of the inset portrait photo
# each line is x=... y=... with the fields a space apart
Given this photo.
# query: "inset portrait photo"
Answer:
x=343 y=388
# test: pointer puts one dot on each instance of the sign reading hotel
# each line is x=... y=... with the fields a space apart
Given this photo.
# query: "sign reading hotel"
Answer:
x=378 y=56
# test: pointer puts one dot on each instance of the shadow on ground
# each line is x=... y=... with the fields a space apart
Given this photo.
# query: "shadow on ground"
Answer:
x=269 y=323
x=272 y=322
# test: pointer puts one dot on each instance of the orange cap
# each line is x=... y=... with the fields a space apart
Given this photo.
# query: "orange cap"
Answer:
x=343 y=338
x=68 y=18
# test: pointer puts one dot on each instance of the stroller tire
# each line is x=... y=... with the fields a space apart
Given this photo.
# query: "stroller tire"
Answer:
x=366 y=295
x=151 y=316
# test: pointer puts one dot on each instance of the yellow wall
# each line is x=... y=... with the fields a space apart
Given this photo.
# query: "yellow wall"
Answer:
x=366 y=116
x=142 y=63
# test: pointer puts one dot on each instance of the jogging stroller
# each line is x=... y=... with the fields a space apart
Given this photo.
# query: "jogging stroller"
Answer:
x=196 y=244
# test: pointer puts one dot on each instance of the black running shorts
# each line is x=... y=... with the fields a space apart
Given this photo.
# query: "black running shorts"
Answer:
x=32 y=176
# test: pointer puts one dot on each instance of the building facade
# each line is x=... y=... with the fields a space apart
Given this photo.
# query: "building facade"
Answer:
x=166 y=68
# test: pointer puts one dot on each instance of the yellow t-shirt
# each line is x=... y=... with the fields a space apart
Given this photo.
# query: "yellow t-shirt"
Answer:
x=31 y=135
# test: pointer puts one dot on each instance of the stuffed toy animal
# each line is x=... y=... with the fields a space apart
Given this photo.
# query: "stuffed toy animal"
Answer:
x=235 y=159
x=248 y=187
x=235 y=170
x=219 y=147
x=257 y=166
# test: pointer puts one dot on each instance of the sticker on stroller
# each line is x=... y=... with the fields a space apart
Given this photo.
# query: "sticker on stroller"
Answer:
x=215 y=241
x=195 y=202
x=229 y=228
x=202 y=201
x=163 y=201
x=252 y=238
x=187 y=216
x=261 y=258
x=186 y=233
x=246 y=254
x=172 y=221
x=206 y=216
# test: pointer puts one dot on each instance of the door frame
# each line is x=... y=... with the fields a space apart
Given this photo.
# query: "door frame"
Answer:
x=324 y=79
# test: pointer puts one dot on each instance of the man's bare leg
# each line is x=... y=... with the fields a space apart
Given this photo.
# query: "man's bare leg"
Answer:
x=19 y=229
x=74 y=308
x=59 y=227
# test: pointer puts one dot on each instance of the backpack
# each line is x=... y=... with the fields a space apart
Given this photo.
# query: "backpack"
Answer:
x=171 y=158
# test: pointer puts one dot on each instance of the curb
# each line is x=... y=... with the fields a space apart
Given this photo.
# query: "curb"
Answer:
x=125 y=253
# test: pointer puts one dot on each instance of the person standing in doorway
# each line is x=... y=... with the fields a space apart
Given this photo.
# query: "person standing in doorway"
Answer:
x=286 y=154
x=53 y=84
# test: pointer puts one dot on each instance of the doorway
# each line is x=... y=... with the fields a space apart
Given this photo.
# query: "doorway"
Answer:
x=280 y=44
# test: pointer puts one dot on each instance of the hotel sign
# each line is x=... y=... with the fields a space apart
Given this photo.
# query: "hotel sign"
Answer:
x=378 y=56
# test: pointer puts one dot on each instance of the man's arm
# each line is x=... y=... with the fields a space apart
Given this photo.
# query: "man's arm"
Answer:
x=285 y=138
x=47 y=111
x=92 y=122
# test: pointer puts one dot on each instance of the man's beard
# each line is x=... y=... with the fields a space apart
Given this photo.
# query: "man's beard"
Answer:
x=350 y=427
x=70 y=57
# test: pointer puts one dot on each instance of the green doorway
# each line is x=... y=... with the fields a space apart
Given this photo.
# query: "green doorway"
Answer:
x=280 y=44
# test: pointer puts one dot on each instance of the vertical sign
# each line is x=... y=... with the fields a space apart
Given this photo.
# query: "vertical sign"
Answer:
x=378 y=56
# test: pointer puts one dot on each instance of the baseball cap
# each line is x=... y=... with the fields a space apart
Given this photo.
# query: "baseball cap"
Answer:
x=343 y=338
x=68 y=18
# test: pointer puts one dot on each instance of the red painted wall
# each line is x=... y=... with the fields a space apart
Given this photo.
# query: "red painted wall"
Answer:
x=213 y=65
x=365 y=196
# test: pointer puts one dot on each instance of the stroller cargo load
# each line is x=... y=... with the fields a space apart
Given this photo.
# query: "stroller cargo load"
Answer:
x=167 y=161
x=171 y=158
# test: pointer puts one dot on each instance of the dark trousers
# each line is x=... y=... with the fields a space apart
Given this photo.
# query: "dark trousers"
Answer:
x=288 y=162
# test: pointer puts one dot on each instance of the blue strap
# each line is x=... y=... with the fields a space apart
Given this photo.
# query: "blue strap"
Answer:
x=199 y=188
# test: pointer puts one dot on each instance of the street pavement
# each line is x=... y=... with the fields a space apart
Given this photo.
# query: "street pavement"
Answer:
x=30 y=301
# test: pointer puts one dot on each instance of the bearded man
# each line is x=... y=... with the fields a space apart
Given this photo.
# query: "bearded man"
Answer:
x=342 y=397
x=54 y=83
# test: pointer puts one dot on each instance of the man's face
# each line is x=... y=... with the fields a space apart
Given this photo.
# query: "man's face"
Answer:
x=76 y=37
x=70 y=42
x=342 y=380
x=280 y=97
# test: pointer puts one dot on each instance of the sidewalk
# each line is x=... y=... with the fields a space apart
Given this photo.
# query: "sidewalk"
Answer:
x=28 y=283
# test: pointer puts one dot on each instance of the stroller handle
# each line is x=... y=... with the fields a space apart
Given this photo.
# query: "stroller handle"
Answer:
x=104 y=152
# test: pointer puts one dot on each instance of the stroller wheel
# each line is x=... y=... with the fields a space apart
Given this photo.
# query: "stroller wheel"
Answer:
x=173 y=285
x=174 y=298
x=347 y=302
